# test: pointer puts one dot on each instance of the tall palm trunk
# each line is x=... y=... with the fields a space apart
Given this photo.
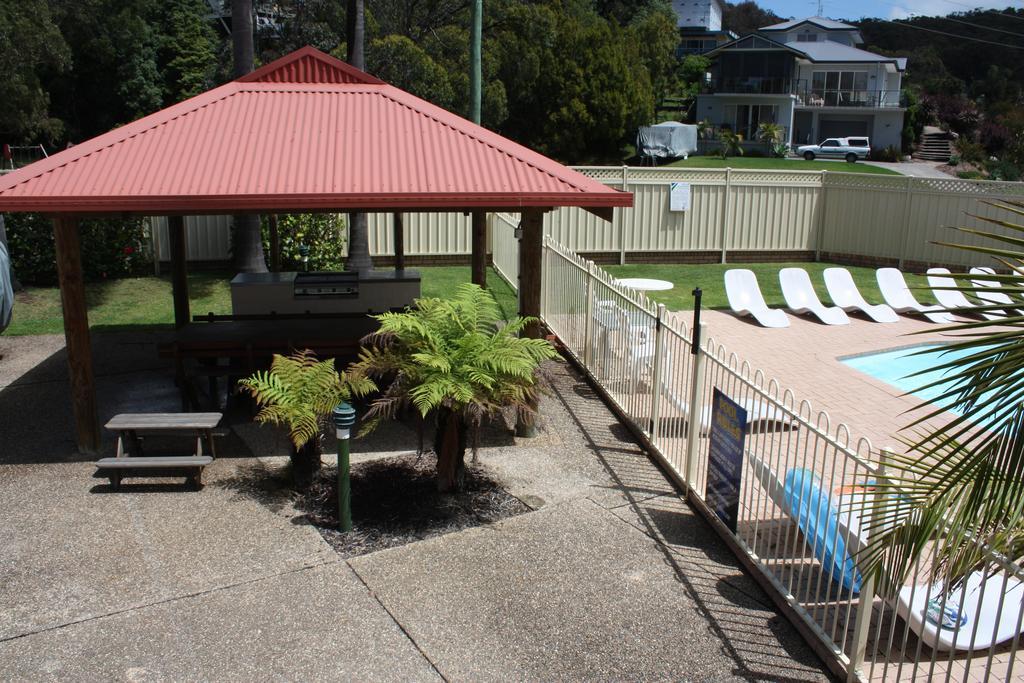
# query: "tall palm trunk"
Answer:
x=358 y=231
x=247 y=245
x=450 y=446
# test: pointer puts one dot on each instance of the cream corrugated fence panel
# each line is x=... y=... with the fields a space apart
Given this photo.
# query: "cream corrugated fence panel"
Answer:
x=426 y=234
x=874 y=216
x=208 y=238
x=902 y=218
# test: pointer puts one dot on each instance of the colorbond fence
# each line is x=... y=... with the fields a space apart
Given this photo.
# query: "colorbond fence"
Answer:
x=798 y=463
x=734 y=215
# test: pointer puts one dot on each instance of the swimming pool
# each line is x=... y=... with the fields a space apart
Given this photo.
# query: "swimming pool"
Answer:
x=898 y=367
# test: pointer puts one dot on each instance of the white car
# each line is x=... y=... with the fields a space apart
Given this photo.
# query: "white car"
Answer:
x=850 y=149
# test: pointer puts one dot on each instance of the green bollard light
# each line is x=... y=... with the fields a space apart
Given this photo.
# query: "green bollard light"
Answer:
x=344 y=418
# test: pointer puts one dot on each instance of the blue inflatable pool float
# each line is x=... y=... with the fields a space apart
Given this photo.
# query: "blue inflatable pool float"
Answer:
x=818 y=519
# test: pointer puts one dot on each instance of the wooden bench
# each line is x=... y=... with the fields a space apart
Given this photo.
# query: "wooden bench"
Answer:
x=130 y=456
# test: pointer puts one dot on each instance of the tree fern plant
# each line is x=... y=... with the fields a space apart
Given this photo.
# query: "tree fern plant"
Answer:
x=298 y=393
x=451 y=361
x=959 y=487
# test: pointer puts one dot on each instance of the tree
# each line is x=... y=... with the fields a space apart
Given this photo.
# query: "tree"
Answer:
x=298 y=393
x=359 y=231
x=187 y=50
x=771 y=134
x=30 y=43
x=731 y=144
x=247 y=243
x=959 y=488
x=657 y=37
x=402 y=63
x=450 y=359
x=747 y=17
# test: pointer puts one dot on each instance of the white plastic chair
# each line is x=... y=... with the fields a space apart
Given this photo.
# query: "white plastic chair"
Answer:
x=987 y=291
x=800 y=297
x=952 y=300
x=894 y=290
x=844 y=293
x=745 y=298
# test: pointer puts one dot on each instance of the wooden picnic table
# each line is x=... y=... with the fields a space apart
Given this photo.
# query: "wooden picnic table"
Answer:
x=130 y=455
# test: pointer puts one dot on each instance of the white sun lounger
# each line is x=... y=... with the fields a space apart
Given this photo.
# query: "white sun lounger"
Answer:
x=987 y=291
x=952 y=300
x=894 y=290
x=992 y=610
x=800 y=297
x=745 y=298
x=844 y=293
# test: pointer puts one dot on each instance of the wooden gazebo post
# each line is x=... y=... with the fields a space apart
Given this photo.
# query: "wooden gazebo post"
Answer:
x=179 y=269
x=76 y=333
x=399 y=239
x=531 y=253
x=479 y=263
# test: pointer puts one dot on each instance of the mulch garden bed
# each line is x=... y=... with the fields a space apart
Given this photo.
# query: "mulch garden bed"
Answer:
x=395 y=501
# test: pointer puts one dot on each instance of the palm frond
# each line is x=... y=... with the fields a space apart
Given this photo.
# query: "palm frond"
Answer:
x=955 y=498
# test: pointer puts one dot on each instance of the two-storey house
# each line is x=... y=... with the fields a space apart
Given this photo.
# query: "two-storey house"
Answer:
x=808 y=76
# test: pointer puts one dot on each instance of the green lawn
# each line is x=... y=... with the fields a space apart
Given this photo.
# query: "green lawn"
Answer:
x=710 y=279
x=146 y=301
x=780 y=164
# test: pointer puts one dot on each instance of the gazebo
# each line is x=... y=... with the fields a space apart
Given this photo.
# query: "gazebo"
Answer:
x=306 y=133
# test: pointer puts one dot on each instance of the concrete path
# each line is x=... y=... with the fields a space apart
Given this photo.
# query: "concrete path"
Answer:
x=918 y=169
x=611 y=578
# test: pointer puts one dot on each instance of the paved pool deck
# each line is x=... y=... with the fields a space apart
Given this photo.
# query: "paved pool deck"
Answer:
x=611 y=577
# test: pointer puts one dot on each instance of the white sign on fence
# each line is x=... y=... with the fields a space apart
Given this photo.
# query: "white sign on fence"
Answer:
x=680 y=196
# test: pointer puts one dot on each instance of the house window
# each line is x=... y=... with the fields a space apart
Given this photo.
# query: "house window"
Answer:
x=807 y=38
x=745 y=118
x=840 y=88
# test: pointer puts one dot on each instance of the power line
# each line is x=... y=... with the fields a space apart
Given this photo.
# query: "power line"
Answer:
x=981 y=26
x=954 y=35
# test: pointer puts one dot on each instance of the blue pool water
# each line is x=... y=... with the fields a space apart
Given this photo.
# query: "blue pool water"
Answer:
x=897 y=368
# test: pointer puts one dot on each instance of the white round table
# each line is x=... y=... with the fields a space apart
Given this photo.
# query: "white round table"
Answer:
x=644 y=284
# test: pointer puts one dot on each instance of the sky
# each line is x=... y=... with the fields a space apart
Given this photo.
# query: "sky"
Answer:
x=886 y=9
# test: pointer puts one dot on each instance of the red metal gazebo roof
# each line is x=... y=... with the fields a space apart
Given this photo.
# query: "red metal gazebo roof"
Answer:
x=306 y=132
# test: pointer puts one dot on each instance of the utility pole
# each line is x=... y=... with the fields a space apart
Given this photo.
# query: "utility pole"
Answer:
x=475 y=71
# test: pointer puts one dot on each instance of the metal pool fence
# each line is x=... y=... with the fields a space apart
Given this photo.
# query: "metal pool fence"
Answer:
x=802 y=503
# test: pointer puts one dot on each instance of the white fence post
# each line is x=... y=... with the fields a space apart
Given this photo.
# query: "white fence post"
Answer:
x=820 y=237
x=588 y=320
x=659 y=352
x=908 y=199
x=696 y=407
x=866 y=599
x=622 y=222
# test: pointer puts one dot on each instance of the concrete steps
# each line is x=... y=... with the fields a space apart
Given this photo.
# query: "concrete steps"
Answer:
x=934 y=147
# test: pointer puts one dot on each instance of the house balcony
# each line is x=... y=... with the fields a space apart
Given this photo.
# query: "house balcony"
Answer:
x=752 y=85
x=849 y=99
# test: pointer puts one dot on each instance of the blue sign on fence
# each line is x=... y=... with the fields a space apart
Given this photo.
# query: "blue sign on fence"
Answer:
x=725 y=461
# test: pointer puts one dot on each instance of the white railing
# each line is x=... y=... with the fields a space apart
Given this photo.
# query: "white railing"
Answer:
x=505 y=247
x=797 y=462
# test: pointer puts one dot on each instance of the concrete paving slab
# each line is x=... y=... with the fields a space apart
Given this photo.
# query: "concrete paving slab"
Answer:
x=74 y=551
x=313 y=624
x=583 y=451
x=733 y=603
x=570 y=592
